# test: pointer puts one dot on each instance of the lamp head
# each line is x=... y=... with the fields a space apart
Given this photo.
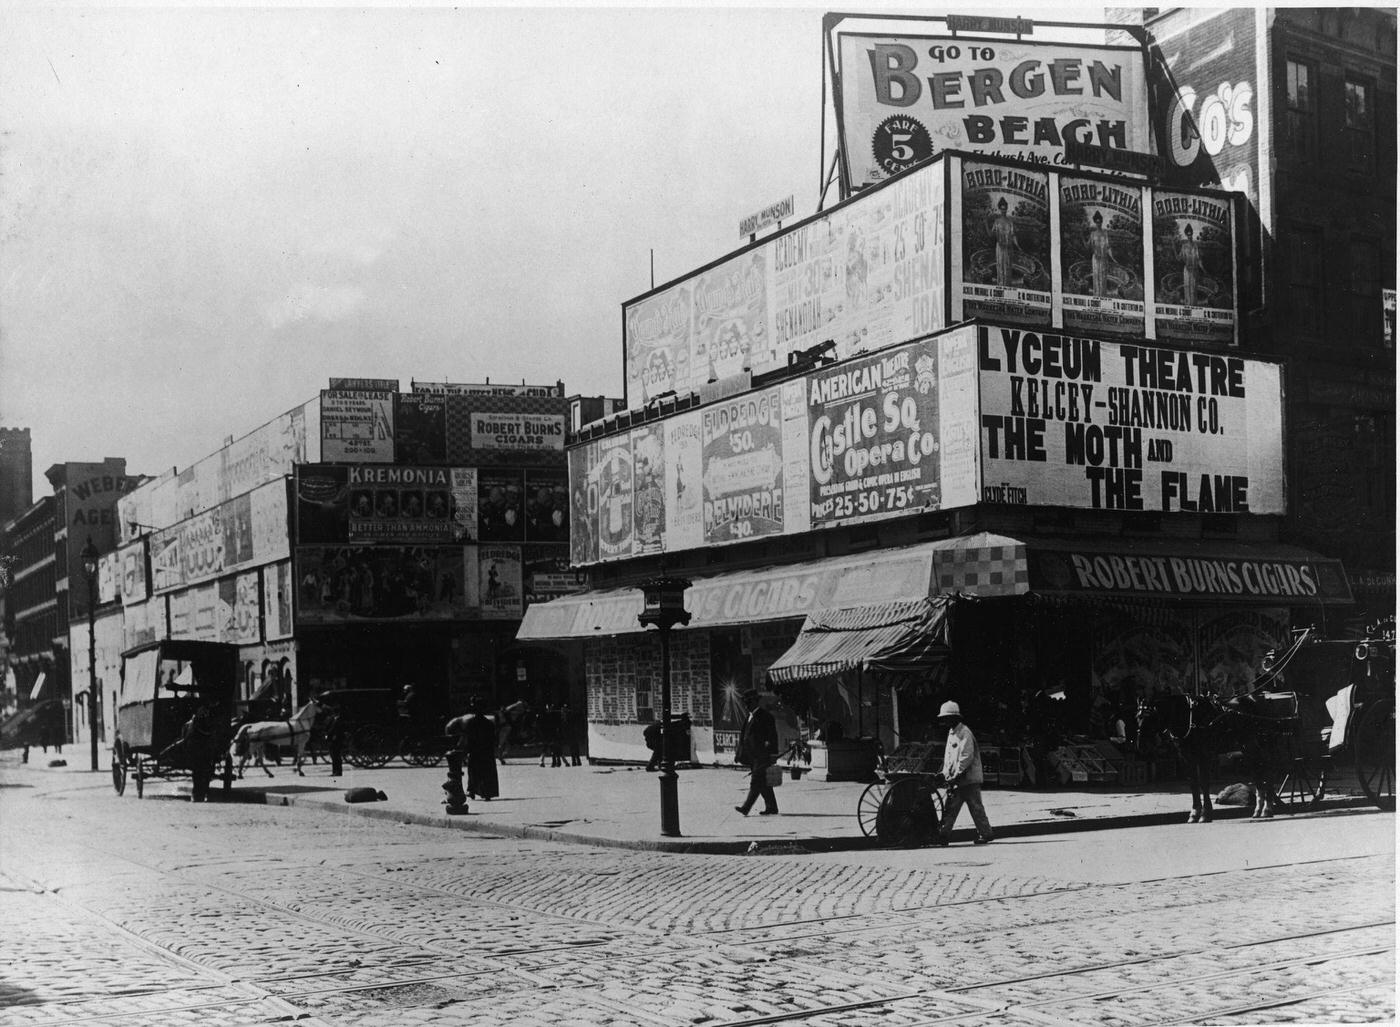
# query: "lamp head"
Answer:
x=89 y=556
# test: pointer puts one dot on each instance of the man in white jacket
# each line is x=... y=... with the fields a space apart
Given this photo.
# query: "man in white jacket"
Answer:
x=962 y=767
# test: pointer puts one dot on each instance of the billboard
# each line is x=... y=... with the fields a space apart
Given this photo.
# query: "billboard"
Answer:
x=877 y=436
x=866 y=275
x=340 y=584
x=903 y=98
x=1193 y=249
x=372 y=503
x=1101 y=257
x=1001 y=243
x=357 y=426
x=1086 y=423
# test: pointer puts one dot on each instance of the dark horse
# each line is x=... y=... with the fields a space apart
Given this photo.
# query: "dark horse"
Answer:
x=1201 y=727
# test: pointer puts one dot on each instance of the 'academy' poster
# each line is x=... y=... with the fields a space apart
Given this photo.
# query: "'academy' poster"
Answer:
x=1101 y=256
x=1005 y=244
x=743 y=473
x=874 y=436
x=1193 y=252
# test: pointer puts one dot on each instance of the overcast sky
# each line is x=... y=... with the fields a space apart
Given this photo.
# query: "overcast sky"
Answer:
x=205 y=214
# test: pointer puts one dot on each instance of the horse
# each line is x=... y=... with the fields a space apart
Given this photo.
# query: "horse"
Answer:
x=250 y=741
x=1201 y=727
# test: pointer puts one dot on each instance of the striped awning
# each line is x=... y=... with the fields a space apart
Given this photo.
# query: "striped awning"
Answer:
x=891 y=637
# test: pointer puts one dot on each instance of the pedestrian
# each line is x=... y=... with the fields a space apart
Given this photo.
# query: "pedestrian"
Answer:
x=575 y=725
x=962 y=770
x=334 y=729
x=679 y=741
x=505 y=726
x=758 y=750
x=476 y=734
x=551 y=737
x=652 y=736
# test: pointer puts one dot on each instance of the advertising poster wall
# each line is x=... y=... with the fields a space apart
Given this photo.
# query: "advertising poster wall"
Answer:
x=1001 y=250
x=133 y=573
x=237 y=518
x=648 y=495
x=420 y=428
x=517 y=430
x=1078 y=422
x=959 y=469
x=684 y=509
x=546 y=574
x=1101 y=256
x=741 y=442
x=144 y=622
x=614 y=497
x=323 y=507
x=357 y=426
x=1193 y=249
x=277 y=585
x=874 y=436
x=465 y=505
x=658 y=345
x=108 y=577
x=904 y=98
x=497 y=587
x=797 y=506
x=546 y=506
x=267 y=453
x=336 y=584
x=584 y=464
x=271 y=526
x=730 y=317
x=501 y=506
x=238 y=613
x=400 y=504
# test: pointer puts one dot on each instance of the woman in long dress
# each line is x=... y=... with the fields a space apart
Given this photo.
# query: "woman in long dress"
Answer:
x=476 y=734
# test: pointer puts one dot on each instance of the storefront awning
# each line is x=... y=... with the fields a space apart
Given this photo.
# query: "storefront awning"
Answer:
x=1193 y=570
x=982 y=564
x=890 y=637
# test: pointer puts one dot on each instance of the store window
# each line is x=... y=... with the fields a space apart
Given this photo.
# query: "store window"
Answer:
x=1359 y=125
x=1302 y=299
x=1364 y=292
x=1300 y=125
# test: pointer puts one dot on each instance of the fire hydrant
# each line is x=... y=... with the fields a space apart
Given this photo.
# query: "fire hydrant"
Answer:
x=454 y=799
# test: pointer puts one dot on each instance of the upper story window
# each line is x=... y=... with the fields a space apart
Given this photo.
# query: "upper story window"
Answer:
x=1302 y=266
x=1300 y=126
x=1359 y=124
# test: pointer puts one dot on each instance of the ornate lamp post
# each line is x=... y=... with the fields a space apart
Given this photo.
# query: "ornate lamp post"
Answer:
x=664 y=606
x=89 y=556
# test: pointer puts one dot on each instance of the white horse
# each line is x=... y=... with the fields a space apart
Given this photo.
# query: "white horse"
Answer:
x=251 y=739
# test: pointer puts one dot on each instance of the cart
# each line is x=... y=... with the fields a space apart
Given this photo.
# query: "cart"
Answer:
x=905 y=806
x=1345 y=719
x=174 y=715
x=374 y=731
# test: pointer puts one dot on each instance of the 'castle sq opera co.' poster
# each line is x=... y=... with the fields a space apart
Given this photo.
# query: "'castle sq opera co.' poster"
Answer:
x=1004 y=244
x=1193 y=250
x=1101 y=268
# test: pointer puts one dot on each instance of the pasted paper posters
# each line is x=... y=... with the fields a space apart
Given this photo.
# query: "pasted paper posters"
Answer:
x=743 y=472
x=648 y=493
x=1101 y=267
x=685 y=527
x=730 y=317
x=1005 y=244
x=658 y=346
x=1193 y=251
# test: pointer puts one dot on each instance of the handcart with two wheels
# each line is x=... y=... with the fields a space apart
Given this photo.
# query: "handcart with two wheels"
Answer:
x=905 y=805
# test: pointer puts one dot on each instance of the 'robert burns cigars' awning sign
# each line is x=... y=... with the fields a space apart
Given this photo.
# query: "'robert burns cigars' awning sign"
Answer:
x=1069 y=421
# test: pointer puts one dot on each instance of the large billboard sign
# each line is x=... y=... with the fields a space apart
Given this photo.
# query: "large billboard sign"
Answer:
x=866 y=275
x=877 y=436
x=357 y=426
x=903 y=98
x=962 y=237
x=1078 y=422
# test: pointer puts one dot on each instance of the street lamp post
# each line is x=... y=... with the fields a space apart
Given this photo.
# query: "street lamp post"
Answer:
x=89 y=555
x=664 y=606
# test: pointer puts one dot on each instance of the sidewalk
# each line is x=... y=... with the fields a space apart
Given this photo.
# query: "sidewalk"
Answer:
x=620 y=806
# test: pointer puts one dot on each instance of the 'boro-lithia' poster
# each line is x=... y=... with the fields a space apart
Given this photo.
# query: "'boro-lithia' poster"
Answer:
x=1084 y=423
x=731 y=317
x=1193 y=250
x=1101 y=255
x=1004 y=244
x=743 y=473
x=874 y=436
x=658 y=345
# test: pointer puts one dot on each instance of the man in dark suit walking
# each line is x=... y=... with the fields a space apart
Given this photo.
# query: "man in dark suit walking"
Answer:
x=758 y=750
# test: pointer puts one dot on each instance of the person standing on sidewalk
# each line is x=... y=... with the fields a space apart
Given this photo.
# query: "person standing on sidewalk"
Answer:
x=758 y=750
x=962 y=769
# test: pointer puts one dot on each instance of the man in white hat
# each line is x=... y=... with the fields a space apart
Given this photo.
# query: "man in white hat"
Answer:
x=962 y=768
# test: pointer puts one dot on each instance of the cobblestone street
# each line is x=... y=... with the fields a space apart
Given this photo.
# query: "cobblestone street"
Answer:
x=163 y=912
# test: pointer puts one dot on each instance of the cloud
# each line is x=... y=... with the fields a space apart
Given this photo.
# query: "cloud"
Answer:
x=307 y=302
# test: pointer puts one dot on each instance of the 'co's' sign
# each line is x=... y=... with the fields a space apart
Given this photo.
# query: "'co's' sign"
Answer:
x=1224 y=117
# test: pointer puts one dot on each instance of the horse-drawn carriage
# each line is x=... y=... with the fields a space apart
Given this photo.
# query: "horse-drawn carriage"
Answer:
x=374 y=729
x=1345 y=716
x=1320 y=709
x=174 y=714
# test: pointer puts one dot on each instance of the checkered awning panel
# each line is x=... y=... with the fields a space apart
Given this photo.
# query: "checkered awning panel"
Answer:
x=983 y=571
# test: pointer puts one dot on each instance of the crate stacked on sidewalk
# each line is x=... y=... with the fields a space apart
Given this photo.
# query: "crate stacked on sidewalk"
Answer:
x=1082 y=764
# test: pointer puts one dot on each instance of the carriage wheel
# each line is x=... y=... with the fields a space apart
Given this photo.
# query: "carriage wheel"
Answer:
x=118 y=773
x=868 y=807
x=1374 y=747
x=420 y=752
x=1301 y=785
x=140 y=779
x=907 y=814
x=369 y=746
